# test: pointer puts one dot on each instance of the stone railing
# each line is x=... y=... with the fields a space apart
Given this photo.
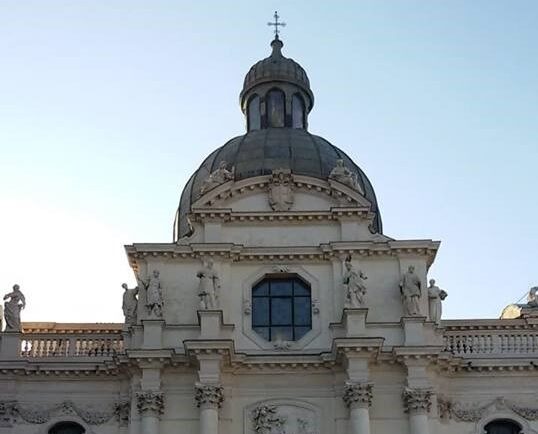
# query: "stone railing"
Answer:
x=480 y=338
x=61 y=340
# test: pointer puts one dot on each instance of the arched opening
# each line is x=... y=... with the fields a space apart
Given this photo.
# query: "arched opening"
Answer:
x=253 y=110
x=67 y=428
x=281 y=308
x=276 y=112
x=503 y=426
x=297 y=112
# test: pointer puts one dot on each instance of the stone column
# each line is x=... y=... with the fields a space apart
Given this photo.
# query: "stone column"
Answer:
x=150 y=406
x=358 y=398
x=209 y=398
x=417 y=403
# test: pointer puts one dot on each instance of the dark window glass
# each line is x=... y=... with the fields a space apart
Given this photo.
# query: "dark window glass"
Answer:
x=297 y=112
x=275 y=108
x=67 y=428
x=503 y=427
x=254 y=118
x=281 y=309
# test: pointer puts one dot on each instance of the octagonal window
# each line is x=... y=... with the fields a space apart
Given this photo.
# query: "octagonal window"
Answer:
x=281 y=308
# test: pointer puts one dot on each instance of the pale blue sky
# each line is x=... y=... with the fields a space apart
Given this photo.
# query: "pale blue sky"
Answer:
x=107 y=107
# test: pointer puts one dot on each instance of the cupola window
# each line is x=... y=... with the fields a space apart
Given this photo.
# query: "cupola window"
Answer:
x=254 y=120
x=281 y=308
x=275 y=108
x=297 y=111
x=502 y=426
x=67 y=428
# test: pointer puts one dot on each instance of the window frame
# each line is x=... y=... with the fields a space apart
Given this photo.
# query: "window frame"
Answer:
x=270 y=325
x=268 y=107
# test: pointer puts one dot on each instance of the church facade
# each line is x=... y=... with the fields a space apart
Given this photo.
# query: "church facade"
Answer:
x=280 y=307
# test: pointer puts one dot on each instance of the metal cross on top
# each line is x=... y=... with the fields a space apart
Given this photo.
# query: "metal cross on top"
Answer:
x=276 y=24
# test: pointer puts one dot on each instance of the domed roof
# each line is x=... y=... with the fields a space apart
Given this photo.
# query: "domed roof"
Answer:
x=259 y=152
x=276 y=68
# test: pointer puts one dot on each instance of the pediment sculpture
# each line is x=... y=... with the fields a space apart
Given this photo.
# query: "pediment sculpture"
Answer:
x=217 y=177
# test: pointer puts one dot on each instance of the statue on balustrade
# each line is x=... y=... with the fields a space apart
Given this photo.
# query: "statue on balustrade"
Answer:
x=130 y=304
x=209 y=286
x=342 y=174
x=355 y=285
x=532 y=297
x=411 y=290
x=14 y=302
x=436 y=296
x=217 y=177
x=154 y=295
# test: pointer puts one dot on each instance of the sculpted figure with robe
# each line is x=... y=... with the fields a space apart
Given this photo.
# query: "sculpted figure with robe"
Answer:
x=14 y=302
x=218 y=177
x=354 y=282
x=436 y=296
x=154 y=295
x=342 y=174
x=410 y=288
x=209 y=286
x=130 y=304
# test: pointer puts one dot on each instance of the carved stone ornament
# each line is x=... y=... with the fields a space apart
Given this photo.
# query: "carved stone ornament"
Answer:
x=154 y=295
x=217 y=177
x=417 y=400
x=281 y=268
x=122 y=410
x=358 y=394
x=209 y=395
x=149 y=401
x=265 y=420
x=280 y=191
x=14 y=302
x=13 y=411
x=411 y=291
x=342 y=174
x=209 y=286
x=474 y=412
x=355 y=285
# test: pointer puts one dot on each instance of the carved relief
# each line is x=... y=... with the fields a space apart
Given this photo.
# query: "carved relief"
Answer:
x=217 y=177
x=280 y=190
x=149 y=401
x=357 y=394
x=265 y=420
x=474 y=412
x=13 y=411
x=209 y=395
x=417 y=400
x=282 y=418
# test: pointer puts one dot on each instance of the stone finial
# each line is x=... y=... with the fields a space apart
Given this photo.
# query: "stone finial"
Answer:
x=358 y=394
x=209 y=395
x=417 y=400
x=149 y=401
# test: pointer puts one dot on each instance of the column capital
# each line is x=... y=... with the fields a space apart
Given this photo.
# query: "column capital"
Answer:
x=148 y=401
x=209 y=395
x=417 y=401
x=358 y=394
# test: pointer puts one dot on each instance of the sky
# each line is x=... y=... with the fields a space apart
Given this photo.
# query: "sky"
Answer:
x=106 y=108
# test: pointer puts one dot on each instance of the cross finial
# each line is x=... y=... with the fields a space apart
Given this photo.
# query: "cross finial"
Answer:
x=276 y=24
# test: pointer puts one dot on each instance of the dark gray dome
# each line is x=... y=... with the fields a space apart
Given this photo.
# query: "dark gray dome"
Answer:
x=259 y=152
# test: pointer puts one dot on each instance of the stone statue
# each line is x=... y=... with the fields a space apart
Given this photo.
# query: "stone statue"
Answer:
x=280 y=191
x=532 y=297
x=209 y=286
x=436 y=296
x=354 y=282
x=218 y=177
x=130 y=304
x=342 y=174
x=12 y=309
x=154 y=295
x=410 y=288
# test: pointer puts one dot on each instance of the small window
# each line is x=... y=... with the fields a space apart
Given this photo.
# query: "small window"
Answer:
x=275 y=108
x=281 y=309
x=254 y=120
x=67 y=428
x=297 y=111
x=503 y=426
